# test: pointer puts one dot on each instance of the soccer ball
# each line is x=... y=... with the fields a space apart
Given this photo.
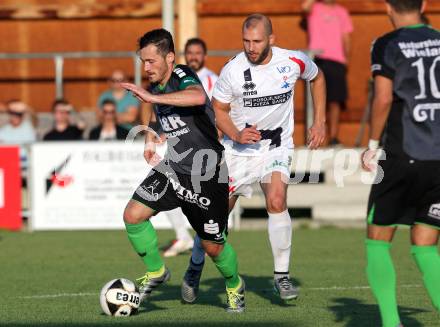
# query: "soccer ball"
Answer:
x=120 y=297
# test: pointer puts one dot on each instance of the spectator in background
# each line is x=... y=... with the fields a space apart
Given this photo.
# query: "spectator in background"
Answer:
x=63 y=129
x=127 y=106
x=19 y=130
x=329 y=27
x=108 y=130
x=195 y=55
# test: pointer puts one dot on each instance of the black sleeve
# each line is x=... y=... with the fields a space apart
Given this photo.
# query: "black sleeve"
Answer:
x=382 y=58
x=185 y=76
x=121 y=132
x=94 y=133
x=78 y=133
x=47 y=136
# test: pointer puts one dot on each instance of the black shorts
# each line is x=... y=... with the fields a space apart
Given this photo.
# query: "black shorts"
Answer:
x=336 y=80
x=204 y=202
x=408 y=194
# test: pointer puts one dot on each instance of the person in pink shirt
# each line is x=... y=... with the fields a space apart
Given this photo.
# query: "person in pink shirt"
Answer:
x=329 y=27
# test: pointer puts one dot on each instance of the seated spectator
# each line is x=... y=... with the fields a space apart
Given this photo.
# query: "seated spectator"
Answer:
x=127 y=106
x=19 y=129
x=63 y=130
x=109 y=130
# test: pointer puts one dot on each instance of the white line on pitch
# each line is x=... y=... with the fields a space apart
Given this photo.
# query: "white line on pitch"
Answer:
x=332 y=288
x=48 y=296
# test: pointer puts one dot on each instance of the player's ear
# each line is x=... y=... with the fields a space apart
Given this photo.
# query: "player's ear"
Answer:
x=422 y=9
x=170 y=57
x=389 y=9
x=272 y=39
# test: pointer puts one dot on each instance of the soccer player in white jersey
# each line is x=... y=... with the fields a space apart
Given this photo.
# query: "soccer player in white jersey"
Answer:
x=253 y=102
x=195 y=55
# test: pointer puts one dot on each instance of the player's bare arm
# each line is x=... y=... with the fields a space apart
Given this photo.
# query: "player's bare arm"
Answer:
x=317 y=132
x=383 y=97
x=224 y=122
x=191 y=96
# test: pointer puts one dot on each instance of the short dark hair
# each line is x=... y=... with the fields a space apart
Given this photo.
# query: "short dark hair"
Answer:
x=196 y=41
x=58 y=102
x=161 y=38
x=108 y=101
x=254 y=19
x=403 y=6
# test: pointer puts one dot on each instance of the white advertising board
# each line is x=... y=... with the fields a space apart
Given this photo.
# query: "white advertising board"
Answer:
x=85 y=185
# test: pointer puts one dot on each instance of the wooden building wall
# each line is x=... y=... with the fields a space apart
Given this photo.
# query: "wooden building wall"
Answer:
x=108 y=25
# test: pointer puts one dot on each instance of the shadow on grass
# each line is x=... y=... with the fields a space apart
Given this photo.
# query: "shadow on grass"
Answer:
x=355 y=313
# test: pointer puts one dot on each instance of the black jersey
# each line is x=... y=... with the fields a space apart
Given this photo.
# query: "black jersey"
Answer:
x=193 y=146
x=410 y=57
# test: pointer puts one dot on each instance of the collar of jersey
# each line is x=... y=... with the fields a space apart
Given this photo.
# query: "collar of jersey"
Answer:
x=415 y=26
x=162 y=87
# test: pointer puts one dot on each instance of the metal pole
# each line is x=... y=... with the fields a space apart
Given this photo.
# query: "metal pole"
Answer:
x=137 y=70
x=168 y=15
x=308 y=108
x=59 y=63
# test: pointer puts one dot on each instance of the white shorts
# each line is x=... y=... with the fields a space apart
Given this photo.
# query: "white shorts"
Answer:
x=247 y=170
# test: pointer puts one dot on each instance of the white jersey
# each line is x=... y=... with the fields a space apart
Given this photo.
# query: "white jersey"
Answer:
x=262 y=95
x=208 y=79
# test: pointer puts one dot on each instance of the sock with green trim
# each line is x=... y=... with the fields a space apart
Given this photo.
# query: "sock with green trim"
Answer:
x=226 y=263
x=428 y=261
x=143 y=238
x=382 y=279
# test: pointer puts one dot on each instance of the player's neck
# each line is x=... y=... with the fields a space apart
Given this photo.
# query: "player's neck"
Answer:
x=406 y=20
x=268 y=58
x=167 y=76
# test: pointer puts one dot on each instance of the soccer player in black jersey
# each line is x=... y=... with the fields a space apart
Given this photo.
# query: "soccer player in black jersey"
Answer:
x=193 y=174
x=406 y=109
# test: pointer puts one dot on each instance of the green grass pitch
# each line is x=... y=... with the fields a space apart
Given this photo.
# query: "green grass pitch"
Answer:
x=53 y=279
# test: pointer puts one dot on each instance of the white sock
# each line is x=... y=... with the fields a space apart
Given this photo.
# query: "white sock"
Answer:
x=178 y=221
x=280 y=236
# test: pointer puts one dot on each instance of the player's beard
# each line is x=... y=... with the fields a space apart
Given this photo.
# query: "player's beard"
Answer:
x=196 y=65
x=261 y=57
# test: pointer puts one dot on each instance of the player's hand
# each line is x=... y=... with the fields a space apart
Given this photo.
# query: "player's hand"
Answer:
x=249 y=135
x=150 y=154
x=369 y=160
x=138 y=92
x=316 y=135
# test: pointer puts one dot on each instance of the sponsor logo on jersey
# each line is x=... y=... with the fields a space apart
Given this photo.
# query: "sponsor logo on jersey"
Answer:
x=212 y=228
x=425 y=111
x=284 y=69
x=434 y=211
x=189 y=196
x=248 y=85
x=179 y=72
x=286 y=85
x=173 y=125
x=270 y=100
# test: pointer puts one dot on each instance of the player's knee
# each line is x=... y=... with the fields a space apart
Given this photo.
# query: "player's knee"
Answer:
x=424 y=235
x=212 y=249
x=131 y=216
x=276 y=204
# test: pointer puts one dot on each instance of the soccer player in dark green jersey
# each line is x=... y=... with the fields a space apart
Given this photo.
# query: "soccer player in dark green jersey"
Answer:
x=406 y=108
x=193 y=174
